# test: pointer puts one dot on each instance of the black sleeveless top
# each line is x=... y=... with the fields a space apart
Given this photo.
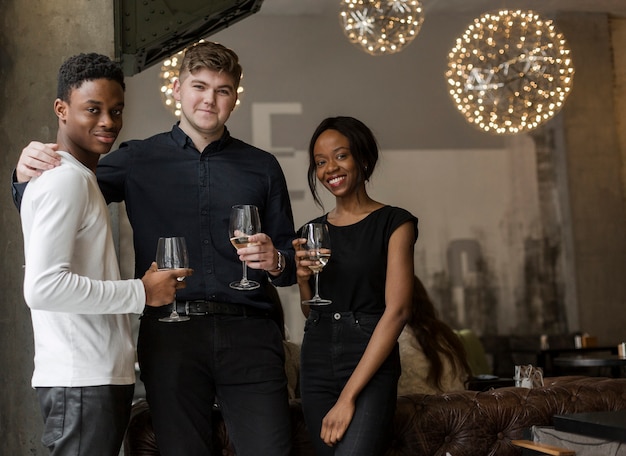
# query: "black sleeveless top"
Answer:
x=355 y=276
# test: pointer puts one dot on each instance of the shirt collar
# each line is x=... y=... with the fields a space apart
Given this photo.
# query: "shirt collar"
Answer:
x=181 y=138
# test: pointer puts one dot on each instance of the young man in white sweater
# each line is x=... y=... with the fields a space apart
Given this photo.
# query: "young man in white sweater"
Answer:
x=84 y=351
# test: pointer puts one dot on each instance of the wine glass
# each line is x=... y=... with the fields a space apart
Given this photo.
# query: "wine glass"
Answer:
x=172 y=254
x=318 y=250
x=244 y=222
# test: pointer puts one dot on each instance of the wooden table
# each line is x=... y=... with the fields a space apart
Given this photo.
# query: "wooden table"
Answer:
x=486 y=382
x=545 y=358
x=616 y=363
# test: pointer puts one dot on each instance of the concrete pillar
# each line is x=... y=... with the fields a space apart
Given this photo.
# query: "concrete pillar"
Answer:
x=35 y=37
x=595 y=181
x=618 y=38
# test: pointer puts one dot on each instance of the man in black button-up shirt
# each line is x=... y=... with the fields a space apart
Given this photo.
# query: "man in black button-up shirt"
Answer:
x=183 y=183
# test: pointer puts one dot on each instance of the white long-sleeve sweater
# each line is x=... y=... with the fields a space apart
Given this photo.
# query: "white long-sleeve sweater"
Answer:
x=79 y=306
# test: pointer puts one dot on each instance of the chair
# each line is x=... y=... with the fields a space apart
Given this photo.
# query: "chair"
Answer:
x=476 y=357
x=482 y=378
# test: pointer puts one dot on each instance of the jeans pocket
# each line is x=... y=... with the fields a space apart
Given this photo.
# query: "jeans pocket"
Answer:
x=54 y=421
x=366 y=324
x=311 y=322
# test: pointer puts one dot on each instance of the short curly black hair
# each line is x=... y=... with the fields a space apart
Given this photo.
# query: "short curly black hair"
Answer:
x=86 y=67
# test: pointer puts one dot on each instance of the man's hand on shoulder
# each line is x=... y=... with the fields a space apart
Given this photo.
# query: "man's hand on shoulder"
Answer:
x=35 y=159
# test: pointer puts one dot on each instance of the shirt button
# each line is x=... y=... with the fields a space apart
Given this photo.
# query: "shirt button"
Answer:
x=206 y=241
x=337 y=316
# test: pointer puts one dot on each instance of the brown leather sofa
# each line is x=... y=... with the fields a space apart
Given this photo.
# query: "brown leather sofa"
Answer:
x=465 y=423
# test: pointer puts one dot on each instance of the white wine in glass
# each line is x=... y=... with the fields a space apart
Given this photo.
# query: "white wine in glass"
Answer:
x=244 y=222
x=172 y=254
x=318 y=251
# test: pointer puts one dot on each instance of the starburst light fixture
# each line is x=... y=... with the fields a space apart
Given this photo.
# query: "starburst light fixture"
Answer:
x=510 y=71
x=170 y=68
x=381 y=26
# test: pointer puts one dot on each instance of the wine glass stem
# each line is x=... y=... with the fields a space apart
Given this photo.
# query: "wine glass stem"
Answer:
x=317 y=286
x=244 y=279
x=174 y=314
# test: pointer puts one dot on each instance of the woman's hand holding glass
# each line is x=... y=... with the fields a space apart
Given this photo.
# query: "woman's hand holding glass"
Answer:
x=312 y=254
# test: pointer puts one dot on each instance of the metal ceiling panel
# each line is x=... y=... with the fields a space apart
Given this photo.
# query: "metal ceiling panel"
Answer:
x=148 y=31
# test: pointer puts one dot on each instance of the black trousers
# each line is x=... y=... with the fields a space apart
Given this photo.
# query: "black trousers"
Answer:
x=236 y=361
x=333 y=346
x=85 y=421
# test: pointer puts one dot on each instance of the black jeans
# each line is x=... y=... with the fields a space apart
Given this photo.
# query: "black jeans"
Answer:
x=332 y=347
x=235 y=360
x=85 y=421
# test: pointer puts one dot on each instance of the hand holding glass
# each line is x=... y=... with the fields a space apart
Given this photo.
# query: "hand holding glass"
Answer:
x=172 y=254
x=244 y=222
x=318 y=252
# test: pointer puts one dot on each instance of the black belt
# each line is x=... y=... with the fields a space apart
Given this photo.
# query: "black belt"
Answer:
x=217 y=308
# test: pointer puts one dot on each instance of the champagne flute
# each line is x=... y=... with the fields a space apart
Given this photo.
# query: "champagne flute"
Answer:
x=244 y=222
x=318 y=250
x=172 y=254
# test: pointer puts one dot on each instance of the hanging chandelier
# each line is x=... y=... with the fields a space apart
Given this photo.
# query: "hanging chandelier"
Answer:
x=381 y=27
x=510 y=71
x=170 y=69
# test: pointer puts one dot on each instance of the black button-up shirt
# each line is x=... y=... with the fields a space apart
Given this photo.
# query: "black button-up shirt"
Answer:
x=172 y=189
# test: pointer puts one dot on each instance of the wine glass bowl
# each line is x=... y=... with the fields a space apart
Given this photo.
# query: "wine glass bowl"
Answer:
x=319 y=259
x=241 y=240
x=244 y=222
x=318 y=250
x=172 y=253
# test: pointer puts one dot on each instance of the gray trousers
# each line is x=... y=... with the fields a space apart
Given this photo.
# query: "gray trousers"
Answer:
x=85 y=421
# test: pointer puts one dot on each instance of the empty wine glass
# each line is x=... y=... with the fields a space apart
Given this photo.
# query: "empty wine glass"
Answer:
x=244 y=222
x=172 y=254
x=318 y=251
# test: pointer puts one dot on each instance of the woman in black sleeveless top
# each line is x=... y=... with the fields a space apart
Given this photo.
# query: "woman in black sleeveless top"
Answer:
x=349 y=359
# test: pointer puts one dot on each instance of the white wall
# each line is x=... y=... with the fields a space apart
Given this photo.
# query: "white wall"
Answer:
x=462 y=184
